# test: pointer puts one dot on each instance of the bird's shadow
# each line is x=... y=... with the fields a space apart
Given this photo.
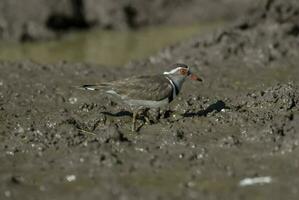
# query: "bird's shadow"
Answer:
x=218 y=106
x=118 y=114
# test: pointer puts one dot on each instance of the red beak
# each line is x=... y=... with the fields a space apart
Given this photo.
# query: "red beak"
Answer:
x=195 y=78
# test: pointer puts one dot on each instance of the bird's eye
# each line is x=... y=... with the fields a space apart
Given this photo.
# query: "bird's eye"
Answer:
x=183 y=71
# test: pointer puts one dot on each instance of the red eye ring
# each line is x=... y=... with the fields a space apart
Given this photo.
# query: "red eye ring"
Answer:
x=183 y=71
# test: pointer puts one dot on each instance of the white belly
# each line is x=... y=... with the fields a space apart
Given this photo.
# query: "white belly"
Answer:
x=138 y=102
x=146 y=103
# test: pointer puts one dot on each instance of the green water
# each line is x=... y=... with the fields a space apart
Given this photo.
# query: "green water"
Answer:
x=101 y=47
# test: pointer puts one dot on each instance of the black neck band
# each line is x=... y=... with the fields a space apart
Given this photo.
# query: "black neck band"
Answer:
x=176 y=90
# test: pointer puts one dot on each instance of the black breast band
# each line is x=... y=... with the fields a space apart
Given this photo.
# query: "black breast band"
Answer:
x=175 y=89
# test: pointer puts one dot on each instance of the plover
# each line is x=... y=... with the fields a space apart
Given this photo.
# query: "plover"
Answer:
x=144 y=92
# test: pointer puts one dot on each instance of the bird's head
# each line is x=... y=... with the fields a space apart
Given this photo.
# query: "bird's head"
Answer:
x=180 y=72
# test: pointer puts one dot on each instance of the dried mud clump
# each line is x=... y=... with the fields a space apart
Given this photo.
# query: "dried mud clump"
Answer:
x=272 y=115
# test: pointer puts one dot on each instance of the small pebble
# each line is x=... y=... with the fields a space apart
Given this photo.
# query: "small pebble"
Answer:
x=7 y=193
x=73 y=100
x=255 y=180
x=70 y=178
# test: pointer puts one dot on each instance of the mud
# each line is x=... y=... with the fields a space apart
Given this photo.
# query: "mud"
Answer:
x=242 y=122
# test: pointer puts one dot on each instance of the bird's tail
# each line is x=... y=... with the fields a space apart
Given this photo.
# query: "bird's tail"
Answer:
x=92 y=87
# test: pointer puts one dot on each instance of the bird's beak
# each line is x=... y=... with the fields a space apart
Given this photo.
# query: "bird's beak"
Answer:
x=195 y=78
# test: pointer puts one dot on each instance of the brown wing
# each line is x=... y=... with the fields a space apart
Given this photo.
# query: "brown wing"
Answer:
x=153 y=88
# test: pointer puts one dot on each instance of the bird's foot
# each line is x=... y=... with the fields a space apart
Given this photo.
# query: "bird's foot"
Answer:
x=140 y=112
x=135 y=114
x=144 y=112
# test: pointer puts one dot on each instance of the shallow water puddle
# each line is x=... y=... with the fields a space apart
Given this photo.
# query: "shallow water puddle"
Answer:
x=102 y=47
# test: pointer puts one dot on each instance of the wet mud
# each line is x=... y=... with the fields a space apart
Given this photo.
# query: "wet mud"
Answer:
x=242 y=122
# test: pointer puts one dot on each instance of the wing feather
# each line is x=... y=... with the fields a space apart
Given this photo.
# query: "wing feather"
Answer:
x=153 y=88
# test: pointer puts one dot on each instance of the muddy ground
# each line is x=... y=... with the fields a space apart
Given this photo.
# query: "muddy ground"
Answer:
x=241 y=122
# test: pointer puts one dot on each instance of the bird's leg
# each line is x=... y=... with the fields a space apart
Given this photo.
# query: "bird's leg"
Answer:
x=147 y=119
x=135 y=113
x=145 y=115
x=138 y=112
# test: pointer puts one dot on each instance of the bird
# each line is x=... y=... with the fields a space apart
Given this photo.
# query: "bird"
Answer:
x=146 y=91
